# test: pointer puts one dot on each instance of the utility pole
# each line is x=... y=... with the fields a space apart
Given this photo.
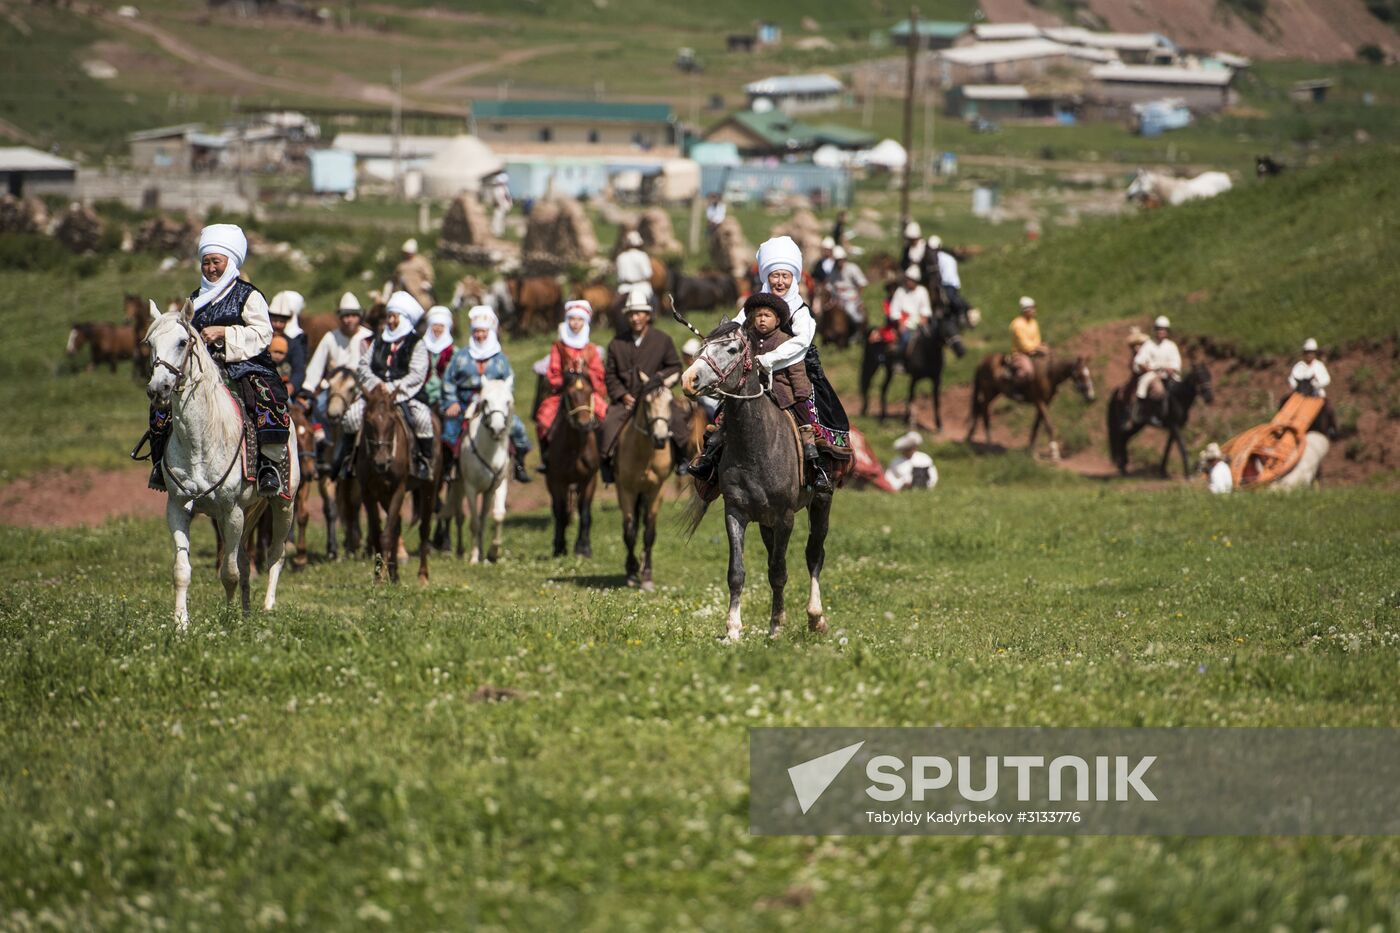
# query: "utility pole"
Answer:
x=928 y=134
x=396 y=128
x=909 y=114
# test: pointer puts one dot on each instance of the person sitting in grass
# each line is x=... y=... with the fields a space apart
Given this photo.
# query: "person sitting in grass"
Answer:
x=1216 y=466
x=912 y=469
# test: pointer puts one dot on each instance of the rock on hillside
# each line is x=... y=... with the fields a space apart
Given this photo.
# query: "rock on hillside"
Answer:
x=1322 y=30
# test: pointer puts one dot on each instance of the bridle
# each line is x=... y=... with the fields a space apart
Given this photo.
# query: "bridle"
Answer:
x=722 y=373
x=577 y=410
x=482 y=413
x=650 y=423
x=182 y=371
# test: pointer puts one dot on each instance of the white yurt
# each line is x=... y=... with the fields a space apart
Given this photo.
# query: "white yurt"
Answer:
x=460 y=166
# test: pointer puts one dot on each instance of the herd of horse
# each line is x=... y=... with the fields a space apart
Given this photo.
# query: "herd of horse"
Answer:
x=759 y=472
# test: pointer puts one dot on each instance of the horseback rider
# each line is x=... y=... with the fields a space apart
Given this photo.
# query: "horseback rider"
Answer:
x=825 y=265
x=636 y=361
x=285 y=314
x=633 y=271
x=769 y=320
x=438 y=339
x=1025 y=344
x=949 y=277
x=780 y=264
x=479 y=360
x=572 y=351
x=339 y=349
x=912 y=469
x=413 y=274
x=231 y=315
x=1157 y=364
x=397 y=360
x=915 y=252
x=1309 y=376
x=910 y=307
x=847 y=281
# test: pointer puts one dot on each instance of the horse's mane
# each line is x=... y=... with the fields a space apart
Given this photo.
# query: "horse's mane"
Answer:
x=724 y=329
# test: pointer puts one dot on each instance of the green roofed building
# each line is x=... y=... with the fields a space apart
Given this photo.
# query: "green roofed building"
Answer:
x=574 y=122
x=776 y=133
x=933 y=33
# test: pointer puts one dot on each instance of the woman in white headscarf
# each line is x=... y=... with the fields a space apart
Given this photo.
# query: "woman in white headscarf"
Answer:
x=481 y=359
x=397 y=360
x=780 y=269
x=438 y=338
x=232 y=317
x=573 y=351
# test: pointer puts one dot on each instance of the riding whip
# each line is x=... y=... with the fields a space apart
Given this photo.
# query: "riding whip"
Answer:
x=680 y=318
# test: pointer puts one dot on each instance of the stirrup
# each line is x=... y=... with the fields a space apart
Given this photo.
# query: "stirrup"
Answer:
x=144 y=441
x=269 y=480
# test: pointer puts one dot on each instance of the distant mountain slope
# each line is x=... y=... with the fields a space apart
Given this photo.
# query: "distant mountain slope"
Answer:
x=1322 y=30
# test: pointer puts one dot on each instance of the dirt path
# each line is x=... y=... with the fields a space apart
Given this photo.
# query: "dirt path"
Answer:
x=443 y=82
x=343 y=87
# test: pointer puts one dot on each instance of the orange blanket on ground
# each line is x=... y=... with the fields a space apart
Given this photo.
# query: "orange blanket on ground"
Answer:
x=1264 y=453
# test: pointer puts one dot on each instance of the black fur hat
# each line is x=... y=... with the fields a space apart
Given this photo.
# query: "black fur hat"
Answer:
x=773 y=303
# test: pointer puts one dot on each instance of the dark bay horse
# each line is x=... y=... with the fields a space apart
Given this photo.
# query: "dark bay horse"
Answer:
x=834 y=325
x=383 y=464
x=923 y=359
x=988 y=383
x=571 y=463
x=760 y=475
x=1181 y=395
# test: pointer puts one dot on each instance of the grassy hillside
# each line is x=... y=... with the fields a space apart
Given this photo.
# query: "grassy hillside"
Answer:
x=1310 y=253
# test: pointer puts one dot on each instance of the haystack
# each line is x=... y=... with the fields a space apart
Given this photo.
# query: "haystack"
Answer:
x=558 y=235
x=22 y=216
x=79 y=229
x=803 y=227
x=466 y=233
x=167 y=235
x=658 y=236
x=729 y=250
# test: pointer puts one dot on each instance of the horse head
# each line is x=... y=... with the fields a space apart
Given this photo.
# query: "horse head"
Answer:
x=653 y=412
x=1142 y=187
x=1200 y=380
x=77 y=336
x=1083 y=379
x=341 y=389
x=578 y=398
x=173 y=343
x=380 y=429
x=495 y=405
x=723 y=365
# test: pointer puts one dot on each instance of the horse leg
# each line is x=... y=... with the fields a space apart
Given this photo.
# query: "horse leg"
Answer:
x=276 y=551
x=328 y=509
x=653 y=509
x=775 y=539
x=975 y=402
x=498 y=518
x=561 y=519
x=583 y=547
x=987 y=418
x=1181 y=446
x=476 y=503
x=375 y=531
x=819 y=521
x=427 y=500
x=885 y=390
x=1166 y=456
x=303 y=518
x=629 y=534
x=178 y=519
x=909 y=402
x=393 y=531
x=735 y=524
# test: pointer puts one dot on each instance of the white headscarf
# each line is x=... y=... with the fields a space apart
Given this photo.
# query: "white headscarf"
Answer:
x=229 y=241
x=479 y=317
x=409 y=311
x=576 y=308
x=289 y=305
x=438 y=314
x=781 y=252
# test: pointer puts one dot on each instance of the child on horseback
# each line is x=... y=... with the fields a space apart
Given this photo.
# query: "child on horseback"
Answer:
x=479 y=360
x=768 y=320
x=779 y=265
x=231 y=315
x=397 y=360
x=572 y=351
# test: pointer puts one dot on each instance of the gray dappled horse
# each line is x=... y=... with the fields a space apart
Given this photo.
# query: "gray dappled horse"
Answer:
x=760 y=474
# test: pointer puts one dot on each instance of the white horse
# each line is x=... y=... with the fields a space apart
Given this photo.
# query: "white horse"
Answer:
x=482 y=465
x=201 y=462
x=1151 y=186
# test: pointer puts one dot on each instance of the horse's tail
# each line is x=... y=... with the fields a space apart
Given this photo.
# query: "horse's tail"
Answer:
x=692 y=513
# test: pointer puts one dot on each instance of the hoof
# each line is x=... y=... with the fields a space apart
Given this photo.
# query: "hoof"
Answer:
x=583 y=552
x=817 y=624
x=493 y=555
x=422 y=579
x=633 y=581
x=730 y=638
x=648 y=586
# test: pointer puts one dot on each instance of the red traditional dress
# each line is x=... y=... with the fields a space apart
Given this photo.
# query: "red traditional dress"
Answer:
x=563 y=359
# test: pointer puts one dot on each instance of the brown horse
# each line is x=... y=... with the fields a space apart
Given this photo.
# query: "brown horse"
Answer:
x=301 y=507
x=384 y=465
x=136 y=311
x=602 y=297
x=340 y=501
x=644 y=461
x=110 y=343
x=988 y=382
x=317 y=326
x=538 y=302
x=834 y=325
x=571 y=464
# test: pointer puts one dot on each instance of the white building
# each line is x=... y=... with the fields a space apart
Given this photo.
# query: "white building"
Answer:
x=796 y=93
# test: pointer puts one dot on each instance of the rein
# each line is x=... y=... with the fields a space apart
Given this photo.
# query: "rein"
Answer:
x=722 y=373
x=472 y=423
x=181 y=376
